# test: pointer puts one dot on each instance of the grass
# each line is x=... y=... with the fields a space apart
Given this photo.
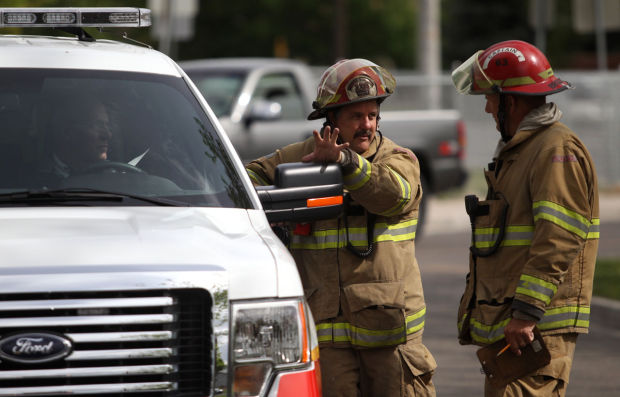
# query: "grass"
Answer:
x=607 y=278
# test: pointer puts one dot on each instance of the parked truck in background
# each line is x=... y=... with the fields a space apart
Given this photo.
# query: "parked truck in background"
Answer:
x=263 y=103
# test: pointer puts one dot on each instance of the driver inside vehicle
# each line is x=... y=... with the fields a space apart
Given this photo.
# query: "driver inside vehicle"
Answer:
x=81 y=135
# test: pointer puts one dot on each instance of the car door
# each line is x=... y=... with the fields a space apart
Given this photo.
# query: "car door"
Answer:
x=261 y=136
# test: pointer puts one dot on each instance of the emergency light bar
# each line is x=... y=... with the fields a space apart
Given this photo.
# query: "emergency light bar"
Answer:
x=99 y=17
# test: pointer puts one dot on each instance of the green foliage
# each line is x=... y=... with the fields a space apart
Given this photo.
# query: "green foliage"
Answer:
x=379 y=30
x=607 y=278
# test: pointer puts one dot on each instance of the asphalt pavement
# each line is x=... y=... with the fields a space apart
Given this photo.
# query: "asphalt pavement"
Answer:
x=442 y=253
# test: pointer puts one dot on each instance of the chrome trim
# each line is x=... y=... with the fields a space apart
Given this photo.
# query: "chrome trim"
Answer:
x=121 y=336
x=120 y=354
x=86 y=372
x=42 y=322
x=88 y=389
x=59 y=304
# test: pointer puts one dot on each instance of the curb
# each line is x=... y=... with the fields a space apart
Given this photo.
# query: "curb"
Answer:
x=605 y=311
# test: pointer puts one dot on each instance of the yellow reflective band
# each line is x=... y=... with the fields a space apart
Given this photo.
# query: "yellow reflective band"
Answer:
x=563 y=317
x=384 y=236
x=572 y=221
x=514 y=236
x=540 y=282
x=256 y=178
x=514 y=81
x=490 y=333
x=536 y=288
x=333 y=238
x=536 y=295
x=546 y=74
x=554 y=318
x=360 y=176
x=405 y=189
x=345 y=332
x=594 y=231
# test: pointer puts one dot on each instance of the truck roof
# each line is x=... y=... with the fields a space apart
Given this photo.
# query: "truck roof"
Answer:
x=25 y=51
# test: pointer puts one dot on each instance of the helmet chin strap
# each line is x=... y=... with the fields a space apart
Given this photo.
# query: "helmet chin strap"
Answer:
x=501 y=115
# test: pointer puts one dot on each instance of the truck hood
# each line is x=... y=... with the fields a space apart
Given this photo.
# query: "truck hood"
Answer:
x=55 y=249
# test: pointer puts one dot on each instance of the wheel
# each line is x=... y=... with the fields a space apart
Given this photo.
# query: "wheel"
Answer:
x=112 y=166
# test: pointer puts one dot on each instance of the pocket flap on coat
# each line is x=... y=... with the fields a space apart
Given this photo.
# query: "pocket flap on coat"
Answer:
x=417 y=357
x=362 y=296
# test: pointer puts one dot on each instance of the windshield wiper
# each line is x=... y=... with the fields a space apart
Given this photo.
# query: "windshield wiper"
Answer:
x=35 y=197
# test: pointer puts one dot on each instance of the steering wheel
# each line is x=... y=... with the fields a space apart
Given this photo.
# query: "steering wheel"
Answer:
x=113 y=166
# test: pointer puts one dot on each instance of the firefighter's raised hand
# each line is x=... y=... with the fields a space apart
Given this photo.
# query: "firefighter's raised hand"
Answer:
x=326 y=147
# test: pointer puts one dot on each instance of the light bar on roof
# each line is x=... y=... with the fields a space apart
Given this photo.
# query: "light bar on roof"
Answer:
x=99 y=17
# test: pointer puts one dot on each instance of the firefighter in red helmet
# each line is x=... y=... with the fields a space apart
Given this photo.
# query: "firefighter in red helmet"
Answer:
x=535 y=235
x=359 y=270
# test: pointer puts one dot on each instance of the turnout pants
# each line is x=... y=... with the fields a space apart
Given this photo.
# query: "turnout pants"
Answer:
x=399 y=371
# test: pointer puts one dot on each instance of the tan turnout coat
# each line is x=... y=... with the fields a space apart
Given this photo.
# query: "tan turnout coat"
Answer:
x=368 y=302
x=543 y=189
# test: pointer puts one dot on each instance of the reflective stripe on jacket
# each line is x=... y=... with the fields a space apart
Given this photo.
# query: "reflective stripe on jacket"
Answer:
x=543 y=200
x=370 y=301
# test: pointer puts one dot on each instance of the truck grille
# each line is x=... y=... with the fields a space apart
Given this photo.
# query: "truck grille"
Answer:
x=139 y=343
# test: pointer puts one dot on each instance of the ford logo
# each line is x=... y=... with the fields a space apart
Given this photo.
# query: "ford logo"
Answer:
x=34 y=347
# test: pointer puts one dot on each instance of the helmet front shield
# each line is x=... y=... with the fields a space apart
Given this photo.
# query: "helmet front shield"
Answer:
x=470 y=79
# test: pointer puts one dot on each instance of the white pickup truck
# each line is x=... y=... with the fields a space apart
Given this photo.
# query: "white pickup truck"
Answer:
x=137 y=258
x=263 y=103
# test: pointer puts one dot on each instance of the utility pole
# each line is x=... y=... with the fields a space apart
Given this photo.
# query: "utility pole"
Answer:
x=541 y=25
x=340 y=28
x=429 y=49
x=601 y=39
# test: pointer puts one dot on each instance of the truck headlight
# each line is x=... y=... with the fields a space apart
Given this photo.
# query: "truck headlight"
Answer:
x=266 y=337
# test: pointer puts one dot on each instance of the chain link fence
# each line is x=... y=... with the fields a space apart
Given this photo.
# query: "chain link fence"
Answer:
x=592 y=110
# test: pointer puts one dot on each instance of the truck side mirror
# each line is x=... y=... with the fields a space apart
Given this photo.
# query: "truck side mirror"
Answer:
x=303 y=192
x=262 y=110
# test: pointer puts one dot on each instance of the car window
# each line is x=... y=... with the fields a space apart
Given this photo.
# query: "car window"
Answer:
x=281 y=88
x=220 y=89
x=134 y=133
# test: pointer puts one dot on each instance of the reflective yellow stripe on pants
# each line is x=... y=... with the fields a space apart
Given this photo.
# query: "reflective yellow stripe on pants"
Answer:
x=343 y=332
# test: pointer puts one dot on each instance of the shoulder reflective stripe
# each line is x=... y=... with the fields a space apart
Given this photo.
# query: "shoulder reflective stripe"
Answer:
x=554 y=318
x=563 y=217
x=536 y=288
x=594 y=231
x=514 y=236
x=332 y=238
x=256 y=178
x=345 y=332
x=405 y=189
x=360 y=176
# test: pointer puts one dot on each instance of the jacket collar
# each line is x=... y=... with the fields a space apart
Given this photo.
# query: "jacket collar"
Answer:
x=532 y=123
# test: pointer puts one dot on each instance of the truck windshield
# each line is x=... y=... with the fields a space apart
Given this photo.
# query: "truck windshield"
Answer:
x=143 y=135
x=220 y=88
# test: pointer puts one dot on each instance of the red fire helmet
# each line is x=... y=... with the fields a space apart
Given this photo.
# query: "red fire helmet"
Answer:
x=349 y=81
x=511 y=67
